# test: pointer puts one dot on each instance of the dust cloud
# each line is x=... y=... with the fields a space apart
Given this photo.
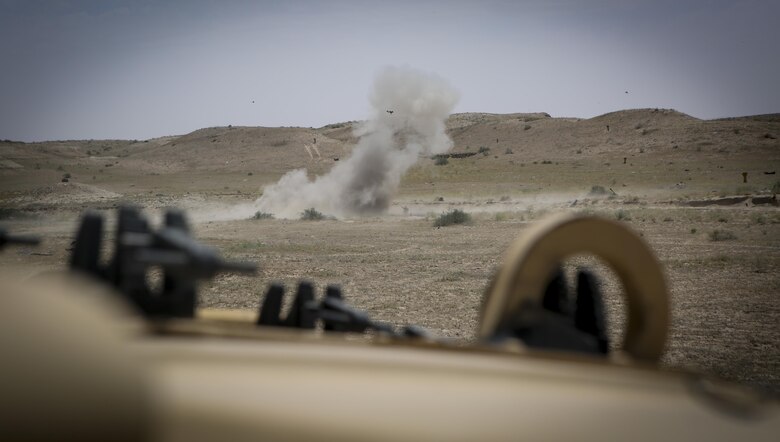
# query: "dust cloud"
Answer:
x=409 y=110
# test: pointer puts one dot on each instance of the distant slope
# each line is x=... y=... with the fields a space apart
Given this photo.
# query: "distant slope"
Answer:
x=268 y=152
x=627 y=132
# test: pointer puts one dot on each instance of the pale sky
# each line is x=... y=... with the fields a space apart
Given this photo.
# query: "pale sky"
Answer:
x=92 y=69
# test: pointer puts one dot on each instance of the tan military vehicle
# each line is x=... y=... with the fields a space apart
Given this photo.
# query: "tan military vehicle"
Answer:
x=103 y=356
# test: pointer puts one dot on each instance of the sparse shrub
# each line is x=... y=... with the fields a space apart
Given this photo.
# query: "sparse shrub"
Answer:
x=501 y=216
x=770 y=136
x=60 y=168
x=693 y=230
x=67 y=175
x=441 y=161
x=455 y=216
x=579 y=151
x=721 y=235
x=631 y=200
x=8 y=213
x=312 y=215
x=760 y=265
x=505 y=198
x=508 y=151
x=723 y=220
x=262 y=215
x=758 y=218
x=744 y=190
x=623 y=215
x=597 y=190
x=249 y=174
x=526 y=127
x=547 y=162
x=667 y=220
x=776 y=187
x=484 y=150
x=439 y=199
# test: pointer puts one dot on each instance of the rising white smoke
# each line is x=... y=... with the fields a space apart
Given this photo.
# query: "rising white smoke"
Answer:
x=389 y=144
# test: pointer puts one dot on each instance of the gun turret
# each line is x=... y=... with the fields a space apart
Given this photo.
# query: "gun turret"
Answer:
x=562 y=320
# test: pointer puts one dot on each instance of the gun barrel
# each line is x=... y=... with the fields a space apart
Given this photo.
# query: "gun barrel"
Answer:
x=7 y=238
x=23 y=239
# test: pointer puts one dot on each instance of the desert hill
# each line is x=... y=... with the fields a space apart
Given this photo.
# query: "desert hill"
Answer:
x=522 y=152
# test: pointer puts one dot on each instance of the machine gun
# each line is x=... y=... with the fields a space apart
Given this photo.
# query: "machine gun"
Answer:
x=139 y=248
x=7 y=239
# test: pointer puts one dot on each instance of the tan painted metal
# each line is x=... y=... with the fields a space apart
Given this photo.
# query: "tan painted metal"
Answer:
x=532 y=258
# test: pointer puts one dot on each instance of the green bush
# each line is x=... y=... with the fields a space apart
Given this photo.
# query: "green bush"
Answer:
x=623 y=215
x=455 y=216
x=441 y=161
x=312 y=215
x=597 y=190
x=263 y=215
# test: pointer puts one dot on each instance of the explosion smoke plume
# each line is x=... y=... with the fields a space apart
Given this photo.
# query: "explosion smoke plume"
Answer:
x=389 y=144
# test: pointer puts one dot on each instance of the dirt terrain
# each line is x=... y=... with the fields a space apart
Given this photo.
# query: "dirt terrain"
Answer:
x=675 y=179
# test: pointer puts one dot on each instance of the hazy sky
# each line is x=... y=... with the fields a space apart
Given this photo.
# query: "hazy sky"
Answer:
x=139 y=69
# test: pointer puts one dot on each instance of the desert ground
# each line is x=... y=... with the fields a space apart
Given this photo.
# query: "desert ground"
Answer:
x=675 y=179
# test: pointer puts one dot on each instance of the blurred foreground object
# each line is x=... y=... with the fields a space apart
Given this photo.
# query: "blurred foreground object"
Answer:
x=22 y=240
x=67 y=373
x=81 y=369
x=138 y=248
